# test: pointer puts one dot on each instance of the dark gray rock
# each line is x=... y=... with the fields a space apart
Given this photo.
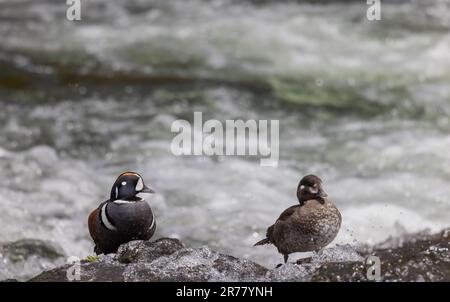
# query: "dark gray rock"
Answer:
x=146 y=251
x=419 y=257
x=194 y=264
x=165 y=259
x=105 y=269
x=292 y=272
x=416 y=257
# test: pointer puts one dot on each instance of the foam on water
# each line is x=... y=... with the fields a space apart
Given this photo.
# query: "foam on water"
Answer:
x=225 y=203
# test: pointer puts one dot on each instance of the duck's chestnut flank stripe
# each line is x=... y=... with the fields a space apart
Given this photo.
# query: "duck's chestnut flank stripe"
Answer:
x=92 y=222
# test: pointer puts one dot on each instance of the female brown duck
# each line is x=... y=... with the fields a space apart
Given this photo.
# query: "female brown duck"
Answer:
x=308 y=226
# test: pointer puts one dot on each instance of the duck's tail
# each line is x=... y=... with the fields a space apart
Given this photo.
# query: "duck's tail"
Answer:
x=262 y=242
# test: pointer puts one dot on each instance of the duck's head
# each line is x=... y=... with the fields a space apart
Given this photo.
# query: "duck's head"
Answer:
x=127 y=186
x=310 y=187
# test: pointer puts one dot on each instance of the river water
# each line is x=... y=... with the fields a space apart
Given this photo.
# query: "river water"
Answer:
x=364 y=105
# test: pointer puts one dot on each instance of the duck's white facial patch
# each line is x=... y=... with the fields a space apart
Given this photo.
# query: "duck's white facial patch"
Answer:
x=302 y=187
x=140 y=185
x=314 y=190
x=124 y=183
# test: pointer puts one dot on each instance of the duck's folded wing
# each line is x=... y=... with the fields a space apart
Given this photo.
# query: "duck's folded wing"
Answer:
x=287 y=213
x=277 y=231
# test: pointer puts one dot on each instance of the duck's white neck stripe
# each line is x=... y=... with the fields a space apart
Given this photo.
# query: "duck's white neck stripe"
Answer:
x=105 y=220
x=122 y=201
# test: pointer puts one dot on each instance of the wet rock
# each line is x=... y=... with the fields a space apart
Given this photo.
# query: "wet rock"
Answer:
x=163 y=260
x=102 y=270
x=237 y=269
x=146 y=251
x=291 y=272
x=420 y=257
x=196 y=264
x=344 y=271
x=339 y=253
x=416 y=257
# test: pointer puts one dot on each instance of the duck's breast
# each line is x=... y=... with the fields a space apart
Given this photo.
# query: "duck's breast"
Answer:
x=311 y=227
x=132 y=217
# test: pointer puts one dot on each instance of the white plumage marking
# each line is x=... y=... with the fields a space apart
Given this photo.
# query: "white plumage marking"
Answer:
x=313 y=190
x=105 y=220
x=139 y=185
x=153 y=222
x=122 y=201
x=124 y=183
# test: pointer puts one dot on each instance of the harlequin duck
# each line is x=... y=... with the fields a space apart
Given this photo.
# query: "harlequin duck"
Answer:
x=124 y=217
x=309 y=226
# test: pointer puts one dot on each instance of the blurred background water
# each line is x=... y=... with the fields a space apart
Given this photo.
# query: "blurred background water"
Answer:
x=365 y=105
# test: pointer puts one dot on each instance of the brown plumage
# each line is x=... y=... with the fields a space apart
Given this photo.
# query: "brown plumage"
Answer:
x=92 y=223
x=309 y=226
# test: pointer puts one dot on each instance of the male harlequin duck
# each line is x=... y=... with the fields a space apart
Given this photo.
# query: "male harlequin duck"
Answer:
x=124 y=217
x=309 y=226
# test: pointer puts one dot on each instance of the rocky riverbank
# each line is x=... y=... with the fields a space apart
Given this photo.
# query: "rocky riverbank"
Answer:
x=417 y=257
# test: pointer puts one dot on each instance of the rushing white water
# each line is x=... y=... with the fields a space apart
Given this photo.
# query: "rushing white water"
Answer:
x=382 y=151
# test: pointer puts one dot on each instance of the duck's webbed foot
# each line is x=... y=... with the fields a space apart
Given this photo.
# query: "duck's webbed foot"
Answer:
x=285 y=256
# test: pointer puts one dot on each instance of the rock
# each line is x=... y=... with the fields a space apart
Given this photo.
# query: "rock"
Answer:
x=187 y=265
x=291 y=272
x=165 y=259
x=146 y=251
x=339 y=253
x=105 y=269
x=419 y=257
x=194 y=264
